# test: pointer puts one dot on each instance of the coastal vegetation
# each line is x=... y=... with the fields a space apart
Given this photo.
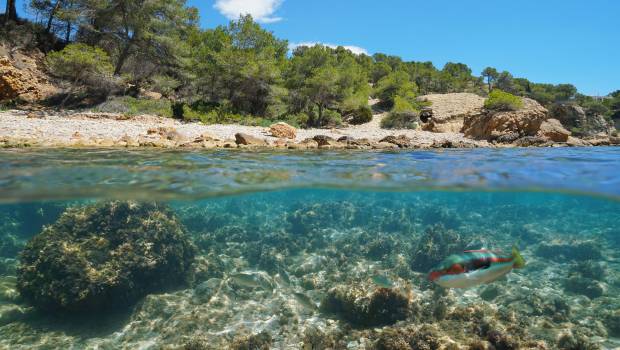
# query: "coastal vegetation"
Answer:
x=108 y=54
x=503 y=101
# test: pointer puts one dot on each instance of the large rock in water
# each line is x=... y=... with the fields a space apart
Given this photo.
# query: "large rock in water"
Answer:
x=104 y=256
x=448 y=111
x=491 y=125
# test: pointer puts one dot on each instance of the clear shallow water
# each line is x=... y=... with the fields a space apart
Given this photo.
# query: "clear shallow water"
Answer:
x=310 y=250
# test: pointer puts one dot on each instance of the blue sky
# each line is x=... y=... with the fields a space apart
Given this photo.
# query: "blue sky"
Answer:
x=554 y=41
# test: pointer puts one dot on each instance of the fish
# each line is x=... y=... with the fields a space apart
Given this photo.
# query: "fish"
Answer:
x=475 y=267
x=251 y=280
x=382 y=281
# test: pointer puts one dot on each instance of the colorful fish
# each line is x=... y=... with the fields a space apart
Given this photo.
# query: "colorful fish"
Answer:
x=475 y=267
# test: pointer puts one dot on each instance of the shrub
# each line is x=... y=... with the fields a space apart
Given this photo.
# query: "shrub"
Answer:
x=80 y=63
x=401 y=120
x=134 y=106
x=404 y=115
x=502 y=101
x=330 y=119
x=359 y=116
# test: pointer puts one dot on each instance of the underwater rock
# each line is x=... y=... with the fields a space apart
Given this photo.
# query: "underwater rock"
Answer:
x=490 y=293
x=260 y=341
x=311 y=217
x=576 y=341
x=612 y=322
x=502 y=341
x=409 y=338
x=591 y=269
x=577 y=250
x=585 y=286
x=104 y=256
x=367 y=306
x=435 y=245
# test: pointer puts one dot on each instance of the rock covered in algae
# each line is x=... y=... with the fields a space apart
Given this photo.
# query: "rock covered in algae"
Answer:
x=367 y=306
x=435 y=245
x=409 y=338
x=104 y=256
x=577 y=250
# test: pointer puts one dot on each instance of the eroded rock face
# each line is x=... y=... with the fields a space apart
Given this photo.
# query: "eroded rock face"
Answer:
x=553 y=130
x=448 y=111
x=22 y=77
x=104 y=256
x=283 y=130
x=575 y=117
x=491 y=125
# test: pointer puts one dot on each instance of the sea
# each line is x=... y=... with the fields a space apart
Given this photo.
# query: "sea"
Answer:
x=242 y=249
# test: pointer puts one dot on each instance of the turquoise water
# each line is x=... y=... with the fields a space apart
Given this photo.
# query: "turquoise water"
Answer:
x=109 y=249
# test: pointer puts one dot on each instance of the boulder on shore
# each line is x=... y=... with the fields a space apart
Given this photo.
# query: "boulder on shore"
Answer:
x=491 y=125
x=553 y=130
x=249 y=140
x=283 y=130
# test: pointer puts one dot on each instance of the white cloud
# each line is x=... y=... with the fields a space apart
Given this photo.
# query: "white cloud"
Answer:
x=261 y=10
x=355 y=49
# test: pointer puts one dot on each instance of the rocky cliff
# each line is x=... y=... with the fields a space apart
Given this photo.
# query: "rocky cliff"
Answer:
x=22 y=75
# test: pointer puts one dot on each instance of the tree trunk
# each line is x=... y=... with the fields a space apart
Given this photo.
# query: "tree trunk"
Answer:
x=122 y=58
x=68 y=34
x=320 y=120
x=11 y=12
x=52 y=15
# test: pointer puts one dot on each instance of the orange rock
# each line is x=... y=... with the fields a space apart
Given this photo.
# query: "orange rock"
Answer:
x=283 y=130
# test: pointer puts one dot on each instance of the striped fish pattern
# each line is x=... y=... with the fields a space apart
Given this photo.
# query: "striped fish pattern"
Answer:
x=475 y=267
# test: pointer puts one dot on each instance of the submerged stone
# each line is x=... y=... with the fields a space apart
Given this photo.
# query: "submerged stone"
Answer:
x=104 y=256
x=367 y=306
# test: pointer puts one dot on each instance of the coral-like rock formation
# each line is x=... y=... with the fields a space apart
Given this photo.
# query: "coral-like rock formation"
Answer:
x=367 y=306
x=283 y=130
x=435 y=245
x=577 y=250
x=448 y=111
x=104 y=256
x=491 y=125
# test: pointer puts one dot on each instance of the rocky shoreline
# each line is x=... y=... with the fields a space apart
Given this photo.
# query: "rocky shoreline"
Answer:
x=106 y=130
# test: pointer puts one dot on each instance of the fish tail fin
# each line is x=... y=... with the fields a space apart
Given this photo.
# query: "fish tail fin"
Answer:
x=518 y=261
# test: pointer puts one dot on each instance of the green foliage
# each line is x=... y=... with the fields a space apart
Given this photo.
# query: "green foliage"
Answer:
x=404 y=115
x=491 y=76
x=80 y=63
x=325 y=83
x=238 y=67
x=401 y=120
x=503 y=101
x=362 y=115
x=394 y=85
x=132 y=106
